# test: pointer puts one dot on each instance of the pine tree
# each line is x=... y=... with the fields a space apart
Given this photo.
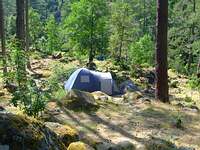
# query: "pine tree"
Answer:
x=21 y=45
x=162 y=88
x=2 y=35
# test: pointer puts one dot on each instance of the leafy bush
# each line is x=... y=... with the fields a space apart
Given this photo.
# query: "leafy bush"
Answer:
x=194 y=82
x=28 y=96
x=53 y=36
x=32 y=99
x=123 y=64
x=59 y=75
x=141 y=52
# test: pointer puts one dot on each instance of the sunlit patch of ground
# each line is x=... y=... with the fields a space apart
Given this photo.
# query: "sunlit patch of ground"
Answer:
x=117 y=122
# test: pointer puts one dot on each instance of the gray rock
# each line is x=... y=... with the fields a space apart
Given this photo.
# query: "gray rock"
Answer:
x=174 y=84
x=103 y=98
x=4 y=147
x=145 y=100
x=20 y=132
x=103 y=146
x=125 y=145
x=2 y=108
x=191 y=109
x=57 y=55
x=186 y=148
x=76 y=99
x=2 y=94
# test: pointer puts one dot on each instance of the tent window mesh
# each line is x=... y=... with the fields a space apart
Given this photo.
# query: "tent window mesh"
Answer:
x=85 y=79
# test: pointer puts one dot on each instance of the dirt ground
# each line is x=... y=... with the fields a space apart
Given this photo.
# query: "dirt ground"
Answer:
x=134 y=121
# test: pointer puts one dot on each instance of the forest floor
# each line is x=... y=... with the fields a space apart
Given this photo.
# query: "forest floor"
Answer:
x=126 y=117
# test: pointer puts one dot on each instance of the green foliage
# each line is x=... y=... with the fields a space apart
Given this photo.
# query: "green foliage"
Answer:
x=178 y=120
x=123 y=28
x=123 y=64
x=119 y=28
x=31 y=99
x=184 y=37
x=11 y=26
x=28 y=96
x=59 y=94
x=141 y=52
x=54 y=42
x=86 y=26
x=36 y=29
x=194 y=82
x=59 y=75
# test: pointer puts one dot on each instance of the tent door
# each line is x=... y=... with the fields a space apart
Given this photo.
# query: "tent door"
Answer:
x=106 y=86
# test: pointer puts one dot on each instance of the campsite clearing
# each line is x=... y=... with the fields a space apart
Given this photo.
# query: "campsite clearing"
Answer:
x=134 y=117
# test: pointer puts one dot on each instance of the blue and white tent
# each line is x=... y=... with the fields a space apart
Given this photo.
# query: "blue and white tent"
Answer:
x=90 y=81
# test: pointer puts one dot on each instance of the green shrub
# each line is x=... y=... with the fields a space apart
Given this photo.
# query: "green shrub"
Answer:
x=32 y=99
x=54 y=41
x=194 y=82
x=141 y=52
x=123 y=64
x=59 y=75
x=28 y=95
x=59 y=94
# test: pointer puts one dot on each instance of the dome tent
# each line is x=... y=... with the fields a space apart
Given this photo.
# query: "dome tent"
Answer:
x=90 y=81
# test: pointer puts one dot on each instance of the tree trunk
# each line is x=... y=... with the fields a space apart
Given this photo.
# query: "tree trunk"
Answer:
x=198 y=69
x=144 y=16
x=162 y=87
x=20 y=23
x=91 y=53
x=27 y=27
x=20 y=36
x=2 y=35
x=190 y=58
x=27 y=33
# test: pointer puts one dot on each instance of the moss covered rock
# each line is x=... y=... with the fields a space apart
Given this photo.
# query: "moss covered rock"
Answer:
x=79 y=146
x=66 y=133
x=132 y=96
x=79 y=100
x=160 y=144
x=20 y=132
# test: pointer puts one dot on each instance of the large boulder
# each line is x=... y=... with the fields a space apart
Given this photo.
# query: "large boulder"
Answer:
x=66 y=133
x=132 y=96
x=98 y=95
x=19 y=132
x=79 y=146
x=79 y=100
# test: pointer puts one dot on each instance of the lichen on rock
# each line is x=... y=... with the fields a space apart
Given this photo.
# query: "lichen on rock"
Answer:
x=21 y=132
x=65 y=133
x=79 y=146
x=79 y=101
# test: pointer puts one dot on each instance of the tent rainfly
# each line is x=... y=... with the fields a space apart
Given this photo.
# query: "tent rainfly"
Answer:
x=90 y=81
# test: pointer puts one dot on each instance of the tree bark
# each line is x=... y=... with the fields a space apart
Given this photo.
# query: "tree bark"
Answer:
x=20 y=23
x=144 y=16
x=91 y=52
x=121 y=44
x=190 y=58
x=27 y=26
x=162 y=87
x=198 y=69
x=27 y=33
x=2 y=35
x=20 y=36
